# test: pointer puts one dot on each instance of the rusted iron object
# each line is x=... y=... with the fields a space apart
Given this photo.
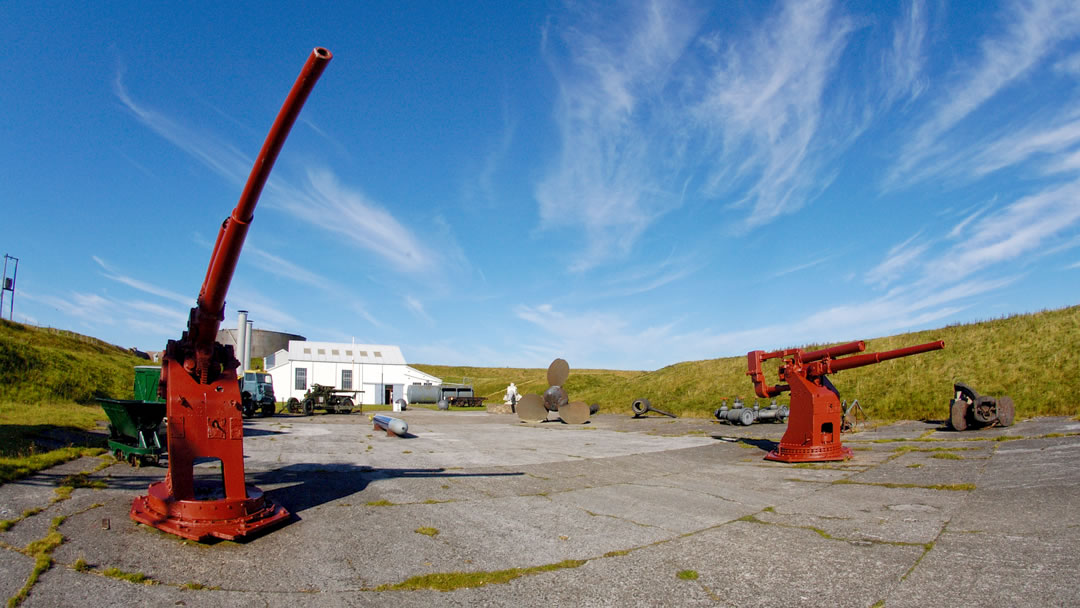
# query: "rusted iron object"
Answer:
x=641 y=407
x=392 y=426
x=199 y=382
x=813 y=433
x=969 y=409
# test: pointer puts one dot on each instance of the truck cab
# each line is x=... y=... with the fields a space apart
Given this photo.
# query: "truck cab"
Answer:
x=257 y=391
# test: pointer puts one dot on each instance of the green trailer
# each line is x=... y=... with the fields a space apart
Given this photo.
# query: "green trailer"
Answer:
x=146 y=383
x=133 y=430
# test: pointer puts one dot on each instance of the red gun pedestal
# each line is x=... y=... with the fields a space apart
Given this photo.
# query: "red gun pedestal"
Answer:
x=205 y=422
x=813 y=436
x=813 y=433
x=198 y=378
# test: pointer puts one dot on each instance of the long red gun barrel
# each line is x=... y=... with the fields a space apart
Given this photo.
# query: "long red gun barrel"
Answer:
x=837 y=365
x=834 y=351
x=207 y=317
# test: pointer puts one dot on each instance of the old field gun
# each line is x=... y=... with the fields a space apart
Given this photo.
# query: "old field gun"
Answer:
x=198 y=378
x=813 y=432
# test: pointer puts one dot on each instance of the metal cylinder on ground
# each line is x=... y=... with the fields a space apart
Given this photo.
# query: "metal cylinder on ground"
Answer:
x=392 y=426
x=740 y=415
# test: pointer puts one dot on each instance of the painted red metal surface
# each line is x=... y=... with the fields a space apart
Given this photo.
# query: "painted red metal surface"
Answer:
x=199 y=383
x=813 y=433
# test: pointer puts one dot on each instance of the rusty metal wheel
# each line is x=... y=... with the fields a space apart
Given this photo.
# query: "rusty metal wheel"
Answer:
x=293 y=405
x=309 y=406
x=958 y=414
x=1006 y=411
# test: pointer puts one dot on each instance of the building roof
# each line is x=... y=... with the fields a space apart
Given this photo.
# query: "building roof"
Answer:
x=339 y=352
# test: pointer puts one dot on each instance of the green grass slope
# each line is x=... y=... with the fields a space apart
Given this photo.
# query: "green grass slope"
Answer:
x=41 y=365
x=1034 y=358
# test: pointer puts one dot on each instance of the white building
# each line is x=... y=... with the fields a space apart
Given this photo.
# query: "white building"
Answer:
x=379 y=370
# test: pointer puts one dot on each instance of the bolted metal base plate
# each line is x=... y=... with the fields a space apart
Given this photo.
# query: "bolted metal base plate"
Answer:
x=823 y=453
x=198 y=520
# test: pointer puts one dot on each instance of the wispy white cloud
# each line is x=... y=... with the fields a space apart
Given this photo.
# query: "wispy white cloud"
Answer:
x=338 y=209
x=1029 y=31
x=153 y=323
x=416 y=307
x=898 y=260
x=582 y=336
x=800 y=267
x=113 y=274
x=1016 y=147
x=322 y=200
x=1024 y=228
x=220 y=156
x=644 y=278
x=262 y=308
x=904 y=61
x=765 y=102
x=611 y=127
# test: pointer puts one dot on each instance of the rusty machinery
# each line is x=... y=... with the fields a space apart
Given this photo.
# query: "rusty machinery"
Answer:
x=643 y=406
x=535 y=408
x=813 y=432
x=199 y=384
x=969 y=409
x=740 y=414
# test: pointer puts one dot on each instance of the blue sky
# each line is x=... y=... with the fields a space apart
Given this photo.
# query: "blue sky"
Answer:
x=625 y=185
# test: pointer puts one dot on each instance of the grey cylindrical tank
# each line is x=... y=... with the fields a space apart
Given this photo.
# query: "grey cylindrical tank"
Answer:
x=423 y=393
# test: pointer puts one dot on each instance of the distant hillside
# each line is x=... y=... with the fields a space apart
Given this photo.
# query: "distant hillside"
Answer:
x=50 y=365
x=1034 y=358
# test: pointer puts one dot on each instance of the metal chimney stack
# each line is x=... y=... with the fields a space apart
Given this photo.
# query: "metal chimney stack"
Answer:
x=241 y=335
x=247 y=346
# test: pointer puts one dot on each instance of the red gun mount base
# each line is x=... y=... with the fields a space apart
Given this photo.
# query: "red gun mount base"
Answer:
x=814 y=434
x=198 y=520
x=198 y=379
x=205 y=422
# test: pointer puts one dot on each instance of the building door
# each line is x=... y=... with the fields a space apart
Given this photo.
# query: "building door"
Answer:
x=389 y=393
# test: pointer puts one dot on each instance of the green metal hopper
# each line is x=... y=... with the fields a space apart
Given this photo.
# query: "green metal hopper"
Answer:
x=133 y=429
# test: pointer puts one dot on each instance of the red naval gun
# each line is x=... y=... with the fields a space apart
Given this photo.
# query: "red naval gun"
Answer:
x=813 y=433
x=199 y=385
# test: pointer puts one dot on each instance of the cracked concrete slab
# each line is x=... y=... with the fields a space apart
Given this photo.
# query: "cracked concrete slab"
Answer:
x=635 y=501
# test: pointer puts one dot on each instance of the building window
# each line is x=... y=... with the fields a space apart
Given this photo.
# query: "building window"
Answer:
x=348 y=353
x=307 y=351
x=363 y=353
x=378 y=354
x=301 y=378
x=346 y=379
x=322 y=351
x=335 y=353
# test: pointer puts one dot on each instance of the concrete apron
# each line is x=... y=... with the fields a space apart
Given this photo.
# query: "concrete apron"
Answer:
x=655 y=511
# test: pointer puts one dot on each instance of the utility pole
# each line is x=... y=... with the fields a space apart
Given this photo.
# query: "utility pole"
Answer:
x=9 y=285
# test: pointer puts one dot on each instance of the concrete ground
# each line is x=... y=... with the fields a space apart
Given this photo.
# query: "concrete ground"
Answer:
x=919 y=517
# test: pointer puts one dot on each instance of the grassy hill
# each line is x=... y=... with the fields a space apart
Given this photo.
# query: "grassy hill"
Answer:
x=39 y=365
x=1034 y=358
